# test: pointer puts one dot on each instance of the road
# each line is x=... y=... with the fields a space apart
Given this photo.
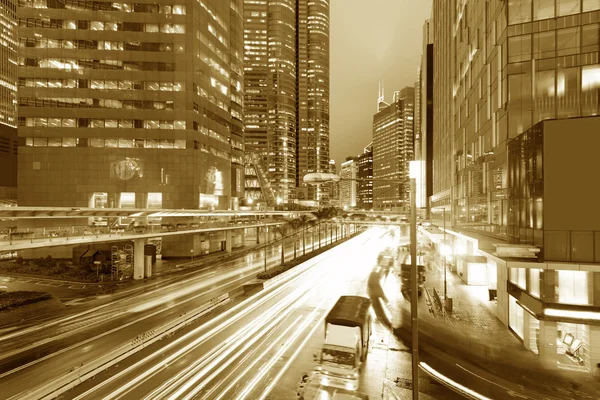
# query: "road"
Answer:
x=258 y=348
x=43 y=349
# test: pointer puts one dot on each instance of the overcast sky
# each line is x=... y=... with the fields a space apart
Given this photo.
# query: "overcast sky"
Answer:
x=371 y=40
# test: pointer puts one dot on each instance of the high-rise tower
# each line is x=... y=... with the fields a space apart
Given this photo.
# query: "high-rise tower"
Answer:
x=287 y=94
x=8 y=99
x=130 y=104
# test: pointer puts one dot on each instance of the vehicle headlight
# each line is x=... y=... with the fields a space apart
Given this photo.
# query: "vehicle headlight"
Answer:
x=350 y=386
x=324 y=381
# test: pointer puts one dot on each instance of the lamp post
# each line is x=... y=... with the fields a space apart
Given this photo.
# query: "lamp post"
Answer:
x=320 y=178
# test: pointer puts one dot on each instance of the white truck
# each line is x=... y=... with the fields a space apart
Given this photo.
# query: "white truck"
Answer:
x=346 y=344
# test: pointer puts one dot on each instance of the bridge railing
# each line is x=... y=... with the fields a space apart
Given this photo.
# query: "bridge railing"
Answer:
x=82 y=231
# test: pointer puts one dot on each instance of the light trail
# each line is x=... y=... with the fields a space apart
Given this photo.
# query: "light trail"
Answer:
x=239 y=311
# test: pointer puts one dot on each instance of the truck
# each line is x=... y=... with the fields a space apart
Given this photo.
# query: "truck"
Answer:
x=346 y=343
x=406 y=279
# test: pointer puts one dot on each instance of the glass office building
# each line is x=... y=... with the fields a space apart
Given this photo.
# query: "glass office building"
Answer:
x=503 y=67
x=286 y=63
x=8 y=100
x=517 y=100
x=130 y=104
x=393 y=148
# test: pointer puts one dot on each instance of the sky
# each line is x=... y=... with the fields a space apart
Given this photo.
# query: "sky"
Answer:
x=370 y=41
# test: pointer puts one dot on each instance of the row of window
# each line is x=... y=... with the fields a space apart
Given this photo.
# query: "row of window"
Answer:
x=83 y=24
x=45 y=43
x=44 y=122
x=167 y=86
x=554 y=43
x=73 y=102
x=536 y=10
x=120 y=143
x=104 y=6
x=78 y=65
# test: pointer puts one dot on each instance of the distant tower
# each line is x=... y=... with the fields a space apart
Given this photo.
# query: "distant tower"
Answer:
x=381 y=104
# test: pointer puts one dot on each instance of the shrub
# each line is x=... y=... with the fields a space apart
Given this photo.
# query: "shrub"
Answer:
x=21 y=298
x=19 y=260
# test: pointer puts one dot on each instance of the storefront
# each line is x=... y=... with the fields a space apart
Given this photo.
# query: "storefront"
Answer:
x=559 y=344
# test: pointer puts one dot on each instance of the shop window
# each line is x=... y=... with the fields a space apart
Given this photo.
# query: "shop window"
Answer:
x=534 y=282
x=155 y=200
x=573 y=287
x=99 y=200
x=543 y=9
x=516 y=316
x=127 y=200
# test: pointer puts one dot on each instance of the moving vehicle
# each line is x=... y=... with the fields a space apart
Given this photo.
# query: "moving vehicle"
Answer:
x=346 y=344
x=406 y=279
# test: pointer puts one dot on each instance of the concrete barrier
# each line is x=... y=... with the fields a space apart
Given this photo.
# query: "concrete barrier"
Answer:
x=77 y=375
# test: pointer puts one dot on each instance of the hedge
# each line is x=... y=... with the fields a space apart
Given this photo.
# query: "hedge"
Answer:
x=21 y=298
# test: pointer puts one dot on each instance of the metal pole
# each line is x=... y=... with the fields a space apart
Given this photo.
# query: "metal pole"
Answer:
x=443 y=255
x=414 y=290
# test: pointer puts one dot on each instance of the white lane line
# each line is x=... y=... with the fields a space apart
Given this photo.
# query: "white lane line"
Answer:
x=452 y=383
x=227 y=346
x=239 y=311
x=293 y=357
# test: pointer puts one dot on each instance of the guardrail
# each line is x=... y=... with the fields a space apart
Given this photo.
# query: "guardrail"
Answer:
x=438 y=301
x=83 y=372
x=10 y=235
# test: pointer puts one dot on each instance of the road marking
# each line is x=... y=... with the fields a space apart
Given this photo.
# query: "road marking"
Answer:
x=73 y=302
x=3 y=287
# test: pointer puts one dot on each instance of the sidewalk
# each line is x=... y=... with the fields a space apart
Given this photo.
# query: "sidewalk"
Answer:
x=493 y=346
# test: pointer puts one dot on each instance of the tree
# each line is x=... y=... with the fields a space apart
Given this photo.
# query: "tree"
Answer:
x=304 y=222
x=281 y=229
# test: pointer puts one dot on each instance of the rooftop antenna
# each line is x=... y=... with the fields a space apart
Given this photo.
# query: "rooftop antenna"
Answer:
x=381 y=104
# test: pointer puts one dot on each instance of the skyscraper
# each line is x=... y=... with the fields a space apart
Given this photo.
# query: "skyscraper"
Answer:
x=130 y=105
x=348 y=184
x=517 y=116
x=8 y=100
x=424 y=117
x=393 y=149
x=313 y=93
x=365 y=171
x=286 y=66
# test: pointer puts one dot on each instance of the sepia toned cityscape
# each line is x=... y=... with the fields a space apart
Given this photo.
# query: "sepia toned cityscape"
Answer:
x=299 y=199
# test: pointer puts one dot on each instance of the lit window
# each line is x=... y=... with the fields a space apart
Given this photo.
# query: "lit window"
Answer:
x=127 y=200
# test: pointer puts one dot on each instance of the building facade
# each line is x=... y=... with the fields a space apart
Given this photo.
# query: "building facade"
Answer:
x=393 y=149
x=138 y=105
x=270 y=90
x=8 y=101
x=348 y=184
x=517 y=105
x=313 y=93
x=365 y=174
x=286 y=56
x=424 y=116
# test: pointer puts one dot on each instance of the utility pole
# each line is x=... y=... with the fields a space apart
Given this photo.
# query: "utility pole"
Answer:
x=443 y=255
x=414 y=290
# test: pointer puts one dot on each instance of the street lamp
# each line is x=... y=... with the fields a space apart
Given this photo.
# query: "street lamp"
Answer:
x=321 y=178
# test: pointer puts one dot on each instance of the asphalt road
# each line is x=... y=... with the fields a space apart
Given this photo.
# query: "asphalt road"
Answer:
x=39 y=351
x=260 y=347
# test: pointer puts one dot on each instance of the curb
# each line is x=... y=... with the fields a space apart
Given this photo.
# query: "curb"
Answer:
x=80 y=374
